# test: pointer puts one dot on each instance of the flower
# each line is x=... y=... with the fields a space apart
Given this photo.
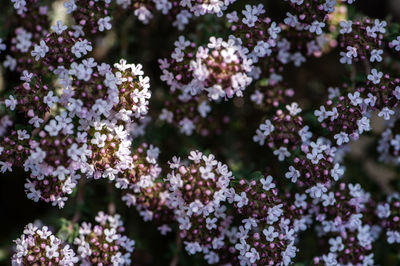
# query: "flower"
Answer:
x=11 y=102
x=293 y=174
x=337 y=172
x=316 y=27
x=282 y=152
x=341 y=138
x=59 y=27
x=39 y=51
x=267 y=183
x=104 y=23
x=345 y=27
x=386 y=113
x=376 y=55
x=375 y=76
x=270 y=233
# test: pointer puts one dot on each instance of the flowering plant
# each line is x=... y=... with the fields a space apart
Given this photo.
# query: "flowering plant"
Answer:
x=229 y=133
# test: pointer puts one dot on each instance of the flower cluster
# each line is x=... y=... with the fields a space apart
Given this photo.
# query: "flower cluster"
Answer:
x=221 y=69
x=26 y=34
x=39 y=246
x=179 y=11
x=104 y=242
x=389 y=212
x=361 y=40
x=53 y=171
x=198 y=192
x=266 y=236
x=90 y=16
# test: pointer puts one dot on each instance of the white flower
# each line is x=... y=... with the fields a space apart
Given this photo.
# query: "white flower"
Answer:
x=186 y=126
x=49 y=99
x=249 y=223
x=393 y=237
x=282 y=152
x=192 y=247
x=328 y=199
x=274 y=30
x=316 y=27
x=341 y=138
x=2 y=45
x=386 y=113
x=70 y=6
x=337 y=172
x=321 y=113
x=375 y=76
x=363 y=125
x=380 y=26
x=396 y=43
x=293 y=174
x=259 y=137
x=104 y=23
x=334 y=114
x=300 y=200
x=355 y=98
x=315 y=156
x=40 y=51
x=396 y=92
x=298 y=59
x=344 y=59
x=59 y=27
x=333 y=92
x=291 y=20
x=11 y=102
x=376 y=55
x=22 y=134
x=250 y=15
x=351 y=52
x=232 y=17
x=346 y=27
x=53 y=128
x=293 y=109
x=305 y=134
x=26 y=76
x=204 y=108
x=164 y=229
x=274 y=213
x=298 y=2
x=99 y=139
x=336 y=244
x=35 y=121
x=270 y=233
x=61 y=172
x=317 y=191
x=371 y=100
x=252 y=255
x=383 y=210
x=211 y=223
x=81 y=48
x=241 y=199
x=152 y=154
x=267 y=183
x=267 y=127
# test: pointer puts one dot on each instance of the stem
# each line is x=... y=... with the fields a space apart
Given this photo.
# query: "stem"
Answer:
x=367 y=66
x=353 y=77
x=111 y=204
x=175 y=259
x=79 y=202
